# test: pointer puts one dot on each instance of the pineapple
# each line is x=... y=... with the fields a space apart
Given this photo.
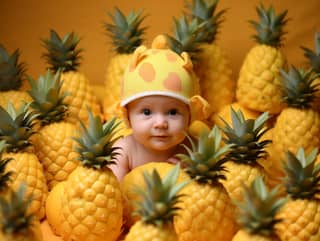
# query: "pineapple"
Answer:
x=16 y=128
x=313 y=58
x=246 y=151
x=212 y=64
x=135 y=179
x=298 y=125
x=16 y=223
x=206 y=211
x=259 y=85
x=62 y=53
x=258 y=210
x=92 y=201
x=126 y=34
x=157 y=207
x=12 y=79
x=300 y=219
x=53 y=144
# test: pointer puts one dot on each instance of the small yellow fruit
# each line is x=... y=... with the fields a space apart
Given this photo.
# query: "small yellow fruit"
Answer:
x=197 y=127
x=53 y=207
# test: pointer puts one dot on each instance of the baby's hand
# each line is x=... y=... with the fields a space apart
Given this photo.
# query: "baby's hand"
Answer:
x=173 y=160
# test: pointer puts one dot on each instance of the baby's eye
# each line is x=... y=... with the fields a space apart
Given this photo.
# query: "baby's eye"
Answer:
x=173 y=112
x=146 y=111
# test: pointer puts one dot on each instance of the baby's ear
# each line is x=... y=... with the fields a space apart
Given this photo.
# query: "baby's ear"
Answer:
x=188 y=65
x=137 y=56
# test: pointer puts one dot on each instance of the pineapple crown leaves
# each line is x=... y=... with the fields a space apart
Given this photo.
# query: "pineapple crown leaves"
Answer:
x=205 y=160
x=48 y=101
x=126 y=31
x=244 y=135
x=205 y=11
x=17 y=126
x=270 y=28
x=302 y=179
x=298 y=87
x=95 y=142
x=15 y=211
x=4 y=175
x=160 y=196
x=314 y=56
x=259 y=207
x=187 y=36
x=11 y=70
x=62 y=53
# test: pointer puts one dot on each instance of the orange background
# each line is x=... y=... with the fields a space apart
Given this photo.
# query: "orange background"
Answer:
x=24 y=23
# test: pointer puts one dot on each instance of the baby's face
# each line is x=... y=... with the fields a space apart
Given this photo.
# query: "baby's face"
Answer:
x=158 y=122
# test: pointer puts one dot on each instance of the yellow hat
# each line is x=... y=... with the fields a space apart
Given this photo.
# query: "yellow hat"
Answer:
x=160 y=71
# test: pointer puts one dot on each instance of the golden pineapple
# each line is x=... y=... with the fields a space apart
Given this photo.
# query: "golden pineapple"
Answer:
x=258 y=210
x=126 y=34
x=63 y=54
x=298 y=125
x=16 y=223
x=134 y=179
x=259 y=85
x=157 y=207
x=246 y=151
x=12 y=79
x=206 y=211
x=212 y=64
x=91 y=206
x=16 y=128
x=53 y=143
x=300 y=219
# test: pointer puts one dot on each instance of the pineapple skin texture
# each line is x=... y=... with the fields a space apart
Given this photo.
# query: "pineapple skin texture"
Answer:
x=56 y=150
x=300 y=221
x=214 y=72
x=112 y=85
x=91 y=206
x=259 y=83
x=238 y=174
x=206 y=214
x=81 y=96
x=148 y=232
x=33 y=233
x=16 y=98
x=243 y=235
x=27 y=169
x=294 y=128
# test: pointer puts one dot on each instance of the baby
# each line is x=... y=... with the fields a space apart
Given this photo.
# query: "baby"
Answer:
x=159 y=101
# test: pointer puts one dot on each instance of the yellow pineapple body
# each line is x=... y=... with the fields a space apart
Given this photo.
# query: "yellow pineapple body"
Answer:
x=300 y=220
x=112 y=85
x=135 y=179
x=243 y=235
x=27 y=169
x=16 y=98
x=91 y=206
x=56 y=150
x=206 y=214
x=259 y=85
x=33 y=233
x=81 y=96
x=148 y=232
x=294 y=128
x=238 y=174
x=214 y=72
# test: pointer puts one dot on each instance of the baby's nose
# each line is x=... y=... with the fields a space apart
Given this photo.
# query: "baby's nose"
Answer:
x=161 y=121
